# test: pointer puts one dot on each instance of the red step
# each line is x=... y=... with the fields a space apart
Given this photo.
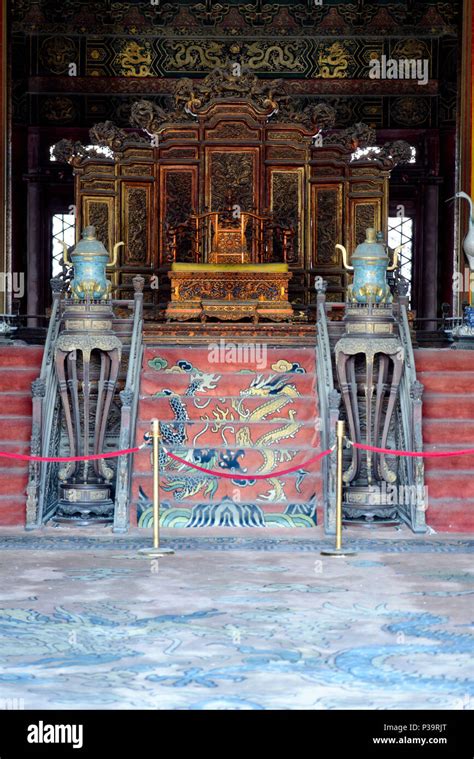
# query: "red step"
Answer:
x=448 y=424
x=20 y=356
x=449 y=463
x=443 y=485
x=12 y=510
x=15 y=428
x=16 y=404
x=451 y=514
x=14 y=380
x=19 y=366
x=440 y=406
x=15 y=483
x=457 y=432
x=447 y=382
x=443 y=360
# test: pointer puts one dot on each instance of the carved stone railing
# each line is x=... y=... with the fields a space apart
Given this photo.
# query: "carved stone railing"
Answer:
x=45 y=402
x=409 y=430
x=329 y=400
x=129 y=398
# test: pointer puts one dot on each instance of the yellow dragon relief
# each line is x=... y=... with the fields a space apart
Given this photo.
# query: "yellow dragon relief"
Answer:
x=273 y=57
x=333 y=62
x=135 y=59
x=189 y=56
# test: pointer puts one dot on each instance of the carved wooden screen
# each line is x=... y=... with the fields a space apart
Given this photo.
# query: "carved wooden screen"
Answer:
x=327 y=226
x=232 y=151
x=178 y=193
x=232 y=175
x=346 y=197
x=96 y=203
x=288 y=204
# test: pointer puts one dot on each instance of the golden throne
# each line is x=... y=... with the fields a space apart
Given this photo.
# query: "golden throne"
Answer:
x=232 y=277
x=228 y=241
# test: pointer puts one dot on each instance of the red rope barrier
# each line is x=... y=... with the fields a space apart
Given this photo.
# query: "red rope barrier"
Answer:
x=424 y=454
x=239 y=476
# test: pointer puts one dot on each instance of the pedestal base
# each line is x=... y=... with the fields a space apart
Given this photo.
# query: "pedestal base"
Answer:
x=155 y=553
x=84 y=504
x=463 y=336
x=338 y=552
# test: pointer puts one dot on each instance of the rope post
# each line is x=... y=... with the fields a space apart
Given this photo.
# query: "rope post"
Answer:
x=338 y=550
x=156 y=551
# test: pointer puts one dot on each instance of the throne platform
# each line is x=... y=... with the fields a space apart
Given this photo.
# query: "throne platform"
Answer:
x=229 y=292
x=235 y=281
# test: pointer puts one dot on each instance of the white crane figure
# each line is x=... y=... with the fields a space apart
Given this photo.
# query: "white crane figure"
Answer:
x=468 y=242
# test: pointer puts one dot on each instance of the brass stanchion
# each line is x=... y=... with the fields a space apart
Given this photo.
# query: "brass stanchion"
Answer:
x=338 y=550
x=156 y=551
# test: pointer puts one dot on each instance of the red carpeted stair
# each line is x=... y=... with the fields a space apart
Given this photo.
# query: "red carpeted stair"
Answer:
x=448 y=424
x=19 y=366
x=225 y=421
x=248 y=416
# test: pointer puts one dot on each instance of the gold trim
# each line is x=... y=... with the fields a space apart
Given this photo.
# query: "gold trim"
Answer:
x=260 y=268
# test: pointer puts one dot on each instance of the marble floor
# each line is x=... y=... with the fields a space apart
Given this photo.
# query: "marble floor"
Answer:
x=236 y=619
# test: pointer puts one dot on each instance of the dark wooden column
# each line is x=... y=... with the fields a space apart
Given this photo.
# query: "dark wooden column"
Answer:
x=427 y=266
x=34 y=278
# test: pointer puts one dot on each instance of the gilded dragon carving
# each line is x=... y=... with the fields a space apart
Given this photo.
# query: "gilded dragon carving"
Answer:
x=333 y=62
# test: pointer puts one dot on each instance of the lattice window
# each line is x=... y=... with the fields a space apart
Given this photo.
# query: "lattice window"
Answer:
x=372 y=152
x=62 y=228
x=400 y=232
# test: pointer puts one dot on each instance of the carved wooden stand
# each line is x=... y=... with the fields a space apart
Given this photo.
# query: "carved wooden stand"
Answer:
x=85 y=489
x=369 y=393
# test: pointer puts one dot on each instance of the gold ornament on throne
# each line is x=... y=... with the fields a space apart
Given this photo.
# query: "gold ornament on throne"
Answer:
x=228 y=240
x=233 y=276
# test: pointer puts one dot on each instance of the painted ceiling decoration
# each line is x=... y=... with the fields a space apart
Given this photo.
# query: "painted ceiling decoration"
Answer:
x=89 y=61
x=181 y=18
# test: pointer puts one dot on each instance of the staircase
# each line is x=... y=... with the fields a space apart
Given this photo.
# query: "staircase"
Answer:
x=19 y=366
x=237 y=413
x=448 y=424
x=248 y=416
